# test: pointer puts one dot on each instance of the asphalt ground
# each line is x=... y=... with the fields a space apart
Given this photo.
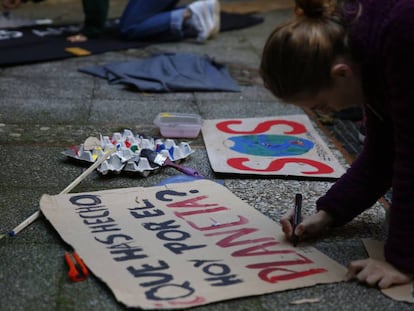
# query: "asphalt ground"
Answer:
x=49 y=106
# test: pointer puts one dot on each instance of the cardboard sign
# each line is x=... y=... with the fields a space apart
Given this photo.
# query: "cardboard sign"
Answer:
x=287 y=146
x=183 y=245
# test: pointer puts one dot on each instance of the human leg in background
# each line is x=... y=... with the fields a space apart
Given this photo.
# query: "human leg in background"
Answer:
x=205 y=18
x=96 y=13
x=144 y=19
x=162 y=20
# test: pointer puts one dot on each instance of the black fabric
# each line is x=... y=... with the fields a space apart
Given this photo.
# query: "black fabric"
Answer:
x=22 y=46
x=233 y=21
x=95 y=12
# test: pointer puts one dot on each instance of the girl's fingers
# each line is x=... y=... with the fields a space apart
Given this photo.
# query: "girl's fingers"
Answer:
x=374 y=272
x=353 y=269
x=300 y=229
x=286 y=227
x=386 y=282
x=310 y=226
x=286 y=223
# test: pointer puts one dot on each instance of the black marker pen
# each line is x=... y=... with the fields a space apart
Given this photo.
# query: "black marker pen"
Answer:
x=297 y=218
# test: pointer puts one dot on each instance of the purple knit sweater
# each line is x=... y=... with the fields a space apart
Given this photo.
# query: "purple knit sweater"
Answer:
x=382 y=41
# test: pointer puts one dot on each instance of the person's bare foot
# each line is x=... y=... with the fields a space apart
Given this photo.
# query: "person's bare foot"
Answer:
x=77 y=38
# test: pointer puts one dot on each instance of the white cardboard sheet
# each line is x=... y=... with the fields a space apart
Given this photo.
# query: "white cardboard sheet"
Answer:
x=183 y=245
x=280 y=145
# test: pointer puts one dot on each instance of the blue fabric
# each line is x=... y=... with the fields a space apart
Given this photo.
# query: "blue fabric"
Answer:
x=168 y=73
x=146 y=19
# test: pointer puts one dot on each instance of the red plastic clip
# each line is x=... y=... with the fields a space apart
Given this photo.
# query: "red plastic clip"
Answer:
x=77 y=269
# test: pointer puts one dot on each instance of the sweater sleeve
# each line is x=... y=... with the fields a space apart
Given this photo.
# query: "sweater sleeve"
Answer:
x=368 y=178
x=399 y=55
x=387 y=158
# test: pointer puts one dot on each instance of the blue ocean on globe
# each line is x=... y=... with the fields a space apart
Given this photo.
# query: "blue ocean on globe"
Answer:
x=270 y=145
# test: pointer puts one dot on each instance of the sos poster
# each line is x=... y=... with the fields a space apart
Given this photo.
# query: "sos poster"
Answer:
x=285 y=146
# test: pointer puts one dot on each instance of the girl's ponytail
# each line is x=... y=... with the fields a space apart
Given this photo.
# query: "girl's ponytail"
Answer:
x=315 y=8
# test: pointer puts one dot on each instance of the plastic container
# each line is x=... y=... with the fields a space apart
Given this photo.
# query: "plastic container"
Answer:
x=176 y=125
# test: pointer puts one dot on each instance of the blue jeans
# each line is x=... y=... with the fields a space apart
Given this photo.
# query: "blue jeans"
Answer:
x=152 y=19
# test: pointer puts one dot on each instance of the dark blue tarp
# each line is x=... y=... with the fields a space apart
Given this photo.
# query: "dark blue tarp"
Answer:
x=37 y=43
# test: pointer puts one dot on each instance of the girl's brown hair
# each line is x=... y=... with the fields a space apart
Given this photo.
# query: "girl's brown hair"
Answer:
x=298 y=54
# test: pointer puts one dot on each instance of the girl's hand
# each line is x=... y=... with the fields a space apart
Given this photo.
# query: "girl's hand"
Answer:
x=309 y=226
x=376 y=272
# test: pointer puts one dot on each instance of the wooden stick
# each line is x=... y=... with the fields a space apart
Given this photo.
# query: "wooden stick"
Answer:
x=72 y=185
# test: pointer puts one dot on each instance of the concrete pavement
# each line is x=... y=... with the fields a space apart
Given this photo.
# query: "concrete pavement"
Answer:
x=46 y=107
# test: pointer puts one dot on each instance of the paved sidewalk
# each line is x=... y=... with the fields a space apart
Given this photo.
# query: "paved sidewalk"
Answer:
x=46 y=107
